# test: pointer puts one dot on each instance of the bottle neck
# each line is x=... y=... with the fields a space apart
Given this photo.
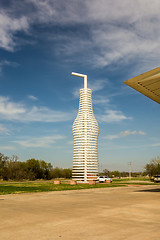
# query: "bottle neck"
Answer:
x=85 y=101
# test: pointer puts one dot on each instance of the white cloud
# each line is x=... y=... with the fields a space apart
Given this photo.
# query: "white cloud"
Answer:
x=13 y=111
x=113 y=146
x=31 y=97
x=98 y=12
x=156 y=145
x=58 y=12
x=7 y=147
x=42 y=142
x=8 y=27
x=115 y=32
x=44 y=114
x=70 y=142
x=124 y=134
x=100 y=100
x=4 y=130
x=7 y=63
x=96 y=85
x=127 y=132
x=10 y=109
x=141 y=133
x=112 y=116
x=121 y=44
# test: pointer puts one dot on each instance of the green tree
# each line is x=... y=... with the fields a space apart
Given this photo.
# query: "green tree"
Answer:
x=17 y=170
x=124 y=174
x=67 y=173
x=33 y=169
x=57 y=172
x=106 y=172
x=3 y=167
x=45 y=169
x=153 y=167
x=116 y=174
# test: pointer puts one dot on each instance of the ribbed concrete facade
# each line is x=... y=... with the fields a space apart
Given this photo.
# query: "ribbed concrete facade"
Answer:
x=85 y=133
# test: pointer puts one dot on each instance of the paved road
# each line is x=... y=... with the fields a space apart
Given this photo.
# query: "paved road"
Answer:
x=126 y=213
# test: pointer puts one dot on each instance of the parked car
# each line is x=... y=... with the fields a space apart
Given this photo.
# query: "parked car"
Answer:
x=103 y=179
x=157 y=178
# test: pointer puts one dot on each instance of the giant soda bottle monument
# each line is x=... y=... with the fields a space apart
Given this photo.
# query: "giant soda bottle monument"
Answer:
x=85 y=134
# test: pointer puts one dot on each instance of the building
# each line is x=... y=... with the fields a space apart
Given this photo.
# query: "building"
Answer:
x=85 y=134
x=147 y=83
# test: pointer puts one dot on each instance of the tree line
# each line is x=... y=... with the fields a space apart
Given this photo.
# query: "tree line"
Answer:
x=32 y=169
x=150 y=169
x=117 y=173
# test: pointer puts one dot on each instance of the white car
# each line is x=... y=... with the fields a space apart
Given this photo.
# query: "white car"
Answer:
x=103 y=179
x=157 y=178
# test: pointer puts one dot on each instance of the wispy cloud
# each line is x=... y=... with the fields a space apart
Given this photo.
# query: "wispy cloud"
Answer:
x=9 y=25
x=112 y=116
x=7 y=147
x=7 y=63
x=95 y=85
x=100 y=100
x=9 y=108
x=156 y=144
x=4 y=130
x=13 y=111
x=70 y=142
x=118 y=32
x=115 y=32
x=124 y=45
x=140 y=146
x=124 y=134
x=40 y=142
x=31 y=97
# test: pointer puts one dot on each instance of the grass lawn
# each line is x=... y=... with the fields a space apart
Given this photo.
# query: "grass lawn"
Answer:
x=45 y=186
x=132 y=179
x=24 y=187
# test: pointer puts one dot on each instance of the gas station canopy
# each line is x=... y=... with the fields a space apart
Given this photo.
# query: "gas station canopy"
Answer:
x=148 y=84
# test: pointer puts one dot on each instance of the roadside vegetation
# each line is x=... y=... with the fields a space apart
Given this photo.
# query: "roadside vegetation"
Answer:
x=37 y=176
x=153 y=168
x=32 y=169
x=46 y=186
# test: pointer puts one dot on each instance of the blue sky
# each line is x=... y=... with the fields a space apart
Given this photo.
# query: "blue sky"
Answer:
x=42 y=42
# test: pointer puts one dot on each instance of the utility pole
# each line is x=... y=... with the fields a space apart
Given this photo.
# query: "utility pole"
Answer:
x=129 y=170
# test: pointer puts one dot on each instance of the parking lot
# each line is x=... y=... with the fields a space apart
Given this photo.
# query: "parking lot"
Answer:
x=121 y=213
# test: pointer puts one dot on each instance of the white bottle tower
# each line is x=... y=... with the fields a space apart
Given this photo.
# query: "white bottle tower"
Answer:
x=85 y=133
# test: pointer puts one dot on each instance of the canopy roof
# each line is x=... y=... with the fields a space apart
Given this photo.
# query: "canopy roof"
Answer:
x=147 y=83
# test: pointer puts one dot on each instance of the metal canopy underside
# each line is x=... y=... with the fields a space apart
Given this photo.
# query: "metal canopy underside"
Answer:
x=148 y=84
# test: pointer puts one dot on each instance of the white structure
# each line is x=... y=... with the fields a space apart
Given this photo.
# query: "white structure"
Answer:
x=85 y=133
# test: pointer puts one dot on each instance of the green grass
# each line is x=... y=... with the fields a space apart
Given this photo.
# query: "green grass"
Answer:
x=135 y=181
x=139 y=183
x=45 y=186
x=132 y=179
x=12 y=188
